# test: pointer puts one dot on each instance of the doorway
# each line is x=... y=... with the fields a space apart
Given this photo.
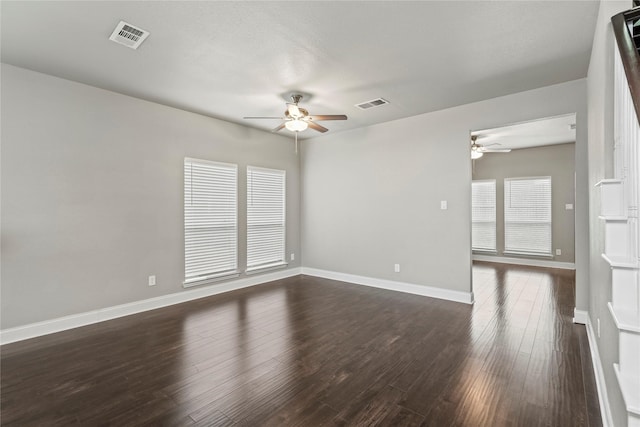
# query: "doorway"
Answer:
x=523 y=193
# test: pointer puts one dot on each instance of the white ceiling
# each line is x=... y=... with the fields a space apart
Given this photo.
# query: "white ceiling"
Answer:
x=234 y=59
x=536 y=133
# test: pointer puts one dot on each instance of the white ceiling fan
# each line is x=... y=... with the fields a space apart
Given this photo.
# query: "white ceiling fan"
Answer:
x=297 y=119
x=478 y=150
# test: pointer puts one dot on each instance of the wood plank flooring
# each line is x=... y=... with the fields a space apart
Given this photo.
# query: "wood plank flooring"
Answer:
x=306 y=351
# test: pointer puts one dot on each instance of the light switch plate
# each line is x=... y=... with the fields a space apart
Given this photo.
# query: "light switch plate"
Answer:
x=443 y=204
x=568 y=206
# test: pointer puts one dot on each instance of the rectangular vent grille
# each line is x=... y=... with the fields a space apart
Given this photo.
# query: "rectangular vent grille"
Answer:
x=373 y=103
x=128 y=35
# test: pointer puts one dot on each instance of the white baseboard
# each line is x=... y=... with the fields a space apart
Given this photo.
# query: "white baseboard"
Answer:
x=87 y=318
x=580 y=316
x=525 y=261
x=603 y=399
x=427 y=291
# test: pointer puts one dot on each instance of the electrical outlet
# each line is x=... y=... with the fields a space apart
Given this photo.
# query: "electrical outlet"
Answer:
x=396 y=268
x=152 y=280
x=558 y=251
x=598 y=326
x=293 y=257
x=443 y=205
x=568 y=206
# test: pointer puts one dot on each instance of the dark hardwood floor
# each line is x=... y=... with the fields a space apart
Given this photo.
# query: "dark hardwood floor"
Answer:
x=307 y=351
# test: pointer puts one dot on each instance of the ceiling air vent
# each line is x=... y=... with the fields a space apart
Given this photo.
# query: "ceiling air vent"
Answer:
x=128 y=35
x=373 y=103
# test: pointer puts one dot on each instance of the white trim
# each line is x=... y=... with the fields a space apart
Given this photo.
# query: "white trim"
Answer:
x=211 y=162
x=620 y=262
x=484 y=251
x=607 y=181
x=266 y=267
x=628 y=392
x=523 y=122
x=525 y=261
x=615 y=218
x=601 y=385
x=624 y=321
x=87 y=318
x=580 y=316
x=530 y=254
x=427 y=291
x=204 y=280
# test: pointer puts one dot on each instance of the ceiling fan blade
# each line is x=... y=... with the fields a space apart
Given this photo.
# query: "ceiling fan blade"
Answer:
x=328 y=117
x=317 y=127
x=278 y=128
x=273 y=118
x=498 y=150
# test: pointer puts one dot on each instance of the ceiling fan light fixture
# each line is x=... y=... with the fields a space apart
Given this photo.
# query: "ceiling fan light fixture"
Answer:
x=475 y=154
x=296 y=125
x=294 y=111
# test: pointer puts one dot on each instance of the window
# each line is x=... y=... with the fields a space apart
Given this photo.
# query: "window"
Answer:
x=210 y=220
x=483 y=215
x=265 y=218
x=527 y=215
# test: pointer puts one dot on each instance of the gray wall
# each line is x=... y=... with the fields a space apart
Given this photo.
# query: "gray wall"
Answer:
x=556 y=161
x=92 y=187
x=600 y=103
x=371 y=197
x=92 y=193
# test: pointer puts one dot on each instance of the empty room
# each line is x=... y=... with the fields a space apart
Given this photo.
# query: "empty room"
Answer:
x=307 y=213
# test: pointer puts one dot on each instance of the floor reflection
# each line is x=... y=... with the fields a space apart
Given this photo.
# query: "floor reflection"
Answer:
x=309 y=351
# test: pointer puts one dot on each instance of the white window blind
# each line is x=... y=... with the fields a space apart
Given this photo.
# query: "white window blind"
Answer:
x=527 y=215
x=483 y=215
x=210 y=219
x=265 y=218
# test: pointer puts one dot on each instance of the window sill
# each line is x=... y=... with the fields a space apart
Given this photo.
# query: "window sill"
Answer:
x=211 y=278
x=484 y=251
x=265 y=267
x=528 y=254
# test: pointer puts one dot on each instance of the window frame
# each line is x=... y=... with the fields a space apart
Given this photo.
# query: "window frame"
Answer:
x=230 y=270
x=494 y=249
x=509 y=249
x=253 y=267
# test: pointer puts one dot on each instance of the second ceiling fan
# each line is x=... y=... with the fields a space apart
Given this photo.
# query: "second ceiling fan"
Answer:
x=297 y=119
x=478 y=150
